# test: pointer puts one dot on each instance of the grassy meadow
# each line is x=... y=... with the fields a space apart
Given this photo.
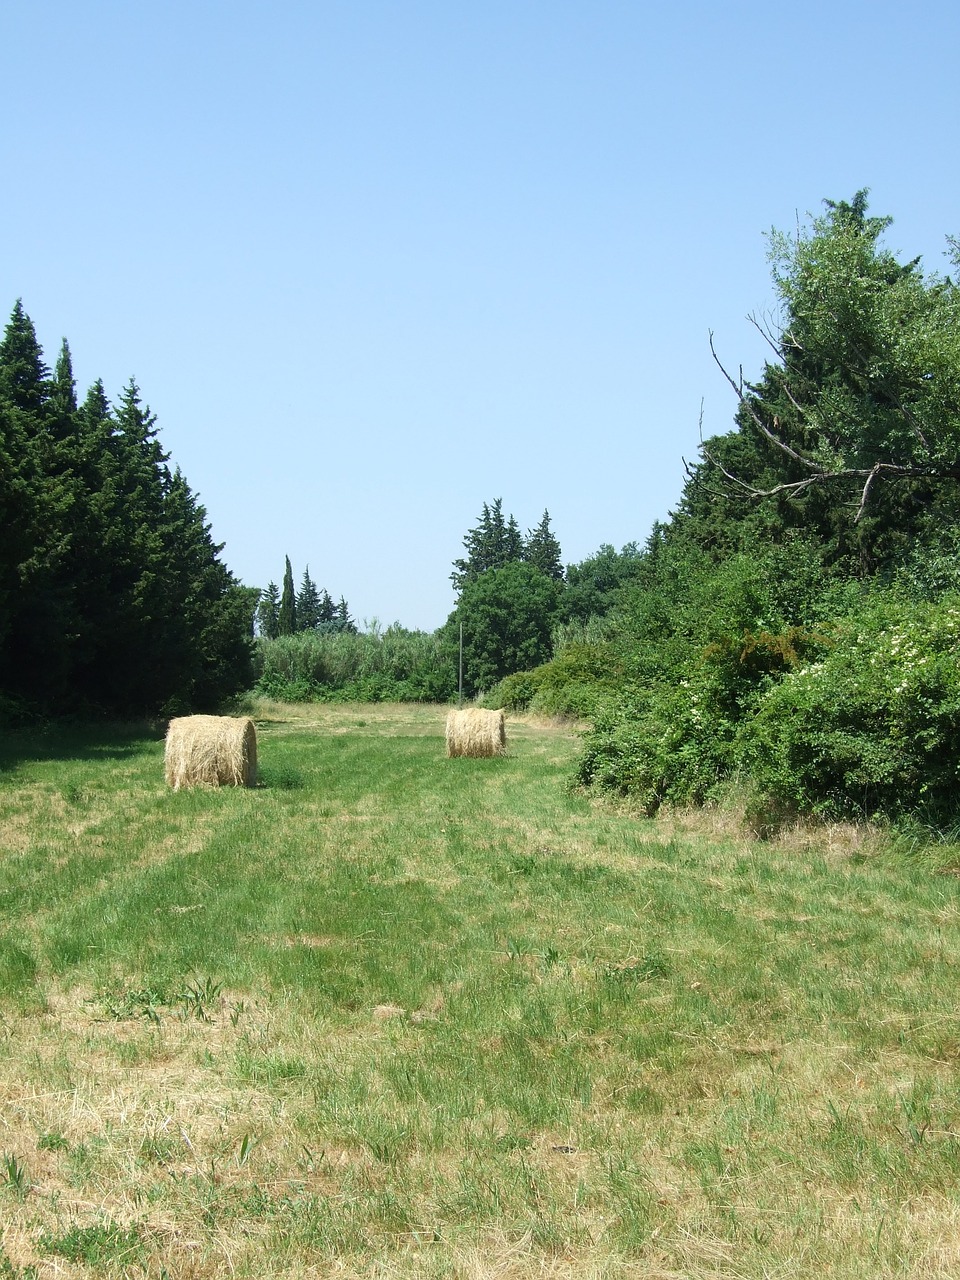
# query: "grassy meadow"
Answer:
x=390 y=1015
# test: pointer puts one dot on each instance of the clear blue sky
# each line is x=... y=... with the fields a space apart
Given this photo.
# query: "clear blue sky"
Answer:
x=376 y=262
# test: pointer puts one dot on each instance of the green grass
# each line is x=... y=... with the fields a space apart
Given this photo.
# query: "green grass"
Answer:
x=394 y=1015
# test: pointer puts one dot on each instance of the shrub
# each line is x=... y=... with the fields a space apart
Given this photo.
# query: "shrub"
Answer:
x=658 y=744
x=873 y=727
x=573 y=683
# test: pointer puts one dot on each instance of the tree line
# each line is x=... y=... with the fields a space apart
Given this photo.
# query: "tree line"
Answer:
x=513 y=593
x=114 y=598
x=287 y=611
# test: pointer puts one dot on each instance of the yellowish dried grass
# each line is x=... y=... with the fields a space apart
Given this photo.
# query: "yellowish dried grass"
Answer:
x=216 y=751
x=476 y=732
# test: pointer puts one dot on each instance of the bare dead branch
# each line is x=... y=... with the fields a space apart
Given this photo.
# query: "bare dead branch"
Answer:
x=766 y=336
x=774 y=439
x=795 y=488
x=865 y=494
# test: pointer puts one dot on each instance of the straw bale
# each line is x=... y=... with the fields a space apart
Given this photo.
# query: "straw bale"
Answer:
x=476 y=732
x=215 y=751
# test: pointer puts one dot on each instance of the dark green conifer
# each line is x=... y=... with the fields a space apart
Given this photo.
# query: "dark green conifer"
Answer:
x=542 y=550
x=494 y=542
x=307 y=609
x=268 y=611
x=23 y=375
x=287 y=614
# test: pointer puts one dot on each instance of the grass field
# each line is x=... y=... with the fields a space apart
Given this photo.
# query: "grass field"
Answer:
x=394 y=1015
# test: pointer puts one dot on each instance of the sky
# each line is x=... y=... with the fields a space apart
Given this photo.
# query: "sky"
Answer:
x=375 y=263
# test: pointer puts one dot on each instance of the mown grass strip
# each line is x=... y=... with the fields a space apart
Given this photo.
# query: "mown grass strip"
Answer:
x=451 y=1016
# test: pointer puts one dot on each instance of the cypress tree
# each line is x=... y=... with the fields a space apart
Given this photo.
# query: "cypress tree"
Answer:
x=213 y=644
x=112 y=593
x=287 y=615
x=36 y=499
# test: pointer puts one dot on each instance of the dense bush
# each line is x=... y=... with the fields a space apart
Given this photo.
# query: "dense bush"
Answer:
x=699 y=647
x=571 y=684
x=656 y=744
x=795 y=625
x=873 y=727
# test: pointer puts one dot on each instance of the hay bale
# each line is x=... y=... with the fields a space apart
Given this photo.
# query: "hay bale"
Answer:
x=214 y=751
x=476 y=732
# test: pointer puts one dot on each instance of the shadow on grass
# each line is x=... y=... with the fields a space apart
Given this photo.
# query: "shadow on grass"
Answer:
x=69 y=740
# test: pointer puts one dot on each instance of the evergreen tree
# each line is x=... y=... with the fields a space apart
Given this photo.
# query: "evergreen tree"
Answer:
x=307 y=605
x=542 y=550
x=63 y=394
x=493 y=543
x=287 y=615
x=137 y=650
x=23 y=375
x=214 y=654
x=19 y=517
x=343 y=620
x=268 y=611
x=512 y=544
x=36 y=499
x=112 y=594
x=327 y=611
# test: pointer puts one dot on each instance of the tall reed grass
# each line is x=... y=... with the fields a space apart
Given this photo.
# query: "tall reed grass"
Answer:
x=375 y=665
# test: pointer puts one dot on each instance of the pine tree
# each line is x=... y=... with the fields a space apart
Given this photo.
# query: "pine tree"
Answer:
x=287 y=614
x=307 y=605
x=268 y=611
x=542 y=550
x=343 y=620
x=494 y=542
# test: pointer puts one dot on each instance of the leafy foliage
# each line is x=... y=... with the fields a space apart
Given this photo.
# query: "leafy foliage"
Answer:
x=873 y=726
x=793 y=626
x=507 y=617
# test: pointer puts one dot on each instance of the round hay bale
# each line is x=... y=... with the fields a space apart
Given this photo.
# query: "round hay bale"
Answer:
x=211 y=751
x=476 y=732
